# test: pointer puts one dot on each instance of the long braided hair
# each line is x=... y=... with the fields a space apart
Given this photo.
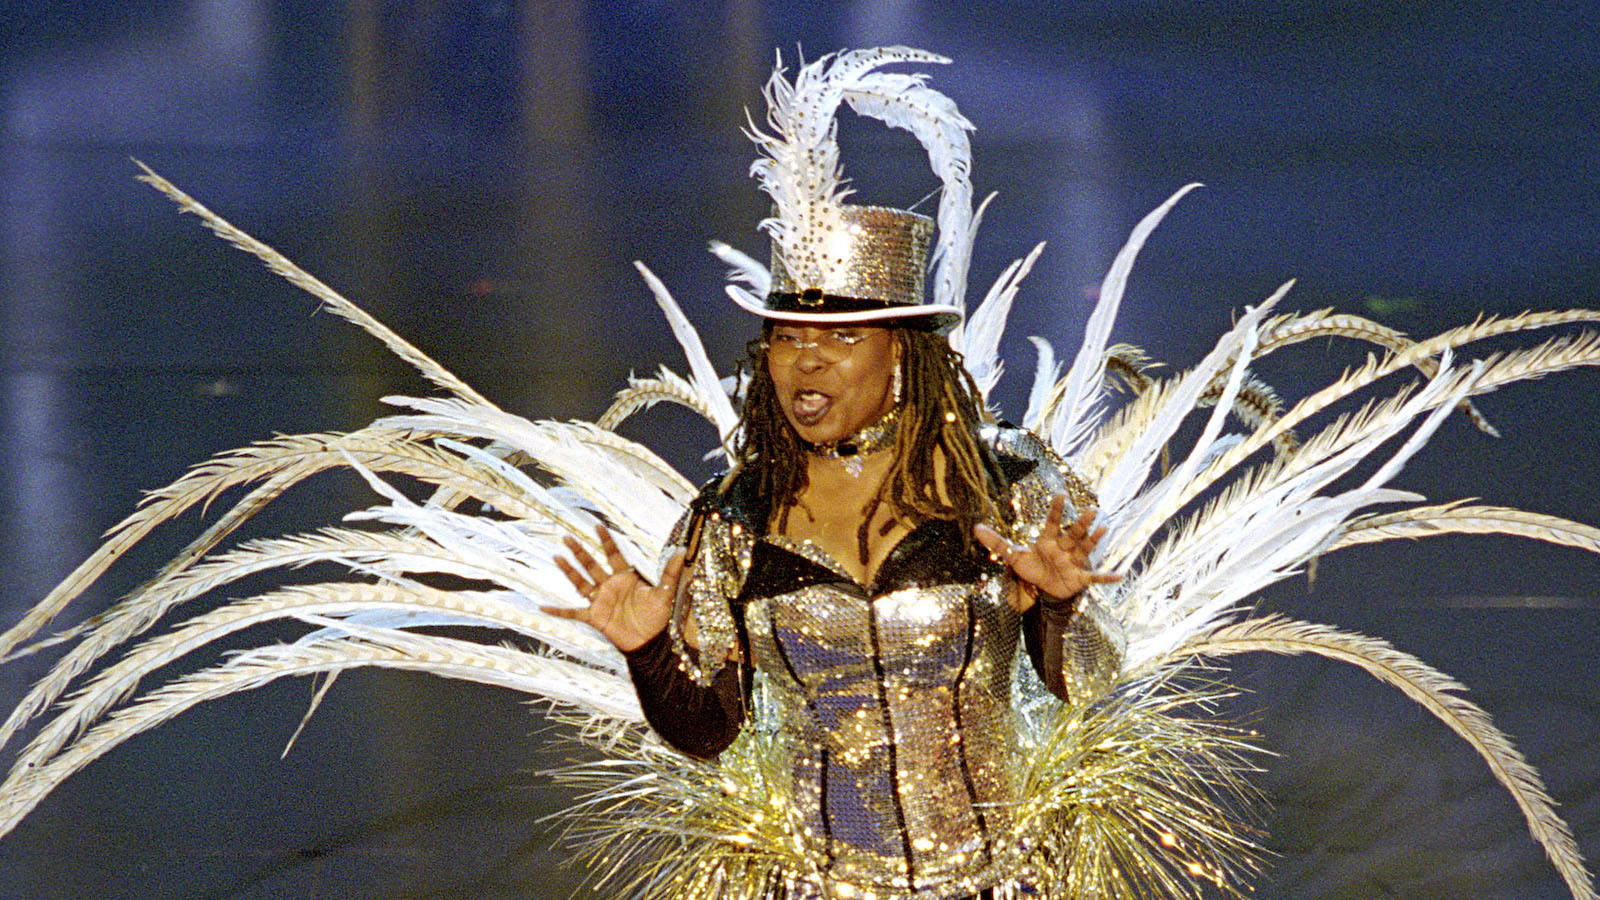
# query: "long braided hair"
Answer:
x=940 y=414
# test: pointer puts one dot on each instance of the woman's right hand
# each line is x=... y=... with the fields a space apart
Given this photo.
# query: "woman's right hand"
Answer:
x=625 y=607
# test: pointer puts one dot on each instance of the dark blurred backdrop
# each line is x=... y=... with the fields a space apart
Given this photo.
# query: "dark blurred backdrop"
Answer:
x=481 y=175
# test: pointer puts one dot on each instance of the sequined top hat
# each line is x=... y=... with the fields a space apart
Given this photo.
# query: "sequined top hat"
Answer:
x=834 y=262
x=860 y=264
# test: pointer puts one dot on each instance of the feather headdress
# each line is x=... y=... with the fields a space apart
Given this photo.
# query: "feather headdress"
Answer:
x=838 y=262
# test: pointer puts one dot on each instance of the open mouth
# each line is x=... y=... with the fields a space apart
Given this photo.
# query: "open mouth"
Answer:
x=808 y=407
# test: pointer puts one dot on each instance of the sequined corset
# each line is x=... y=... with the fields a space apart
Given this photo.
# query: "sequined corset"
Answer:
x=895 y=702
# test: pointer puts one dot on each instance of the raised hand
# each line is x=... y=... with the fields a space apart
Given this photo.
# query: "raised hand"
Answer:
x=1056 y=565
x=625 y=607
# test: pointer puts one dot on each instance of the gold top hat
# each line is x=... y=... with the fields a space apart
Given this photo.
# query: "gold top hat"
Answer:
x=865 y=252
x=854 y=264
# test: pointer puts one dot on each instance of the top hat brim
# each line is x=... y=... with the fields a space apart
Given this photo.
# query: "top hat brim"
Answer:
x=942 y=317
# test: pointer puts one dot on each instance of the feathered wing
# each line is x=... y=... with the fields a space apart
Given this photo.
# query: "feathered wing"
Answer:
x=1239 y=510
x=479 y=519
x=509 y=553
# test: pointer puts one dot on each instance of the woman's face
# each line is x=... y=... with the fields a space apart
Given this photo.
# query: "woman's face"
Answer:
x=832 y=382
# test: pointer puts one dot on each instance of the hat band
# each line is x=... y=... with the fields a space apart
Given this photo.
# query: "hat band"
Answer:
x=814 y=301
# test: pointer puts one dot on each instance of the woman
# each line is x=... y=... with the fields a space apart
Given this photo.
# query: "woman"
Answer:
x=878 y=548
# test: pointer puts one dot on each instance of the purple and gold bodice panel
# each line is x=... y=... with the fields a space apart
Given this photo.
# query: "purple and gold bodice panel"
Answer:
x=892 y=705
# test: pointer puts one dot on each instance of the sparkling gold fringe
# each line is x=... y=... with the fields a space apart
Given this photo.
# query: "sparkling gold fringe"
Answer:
x=1141 y=797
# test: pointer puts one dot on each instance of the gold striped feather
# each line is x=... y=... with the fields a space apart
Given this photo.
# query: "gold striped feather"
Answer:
x=1436 y=692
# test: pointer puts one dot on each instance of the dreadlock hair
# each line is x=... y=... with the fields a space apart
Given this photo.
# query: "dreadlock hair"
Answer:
x=940 y=414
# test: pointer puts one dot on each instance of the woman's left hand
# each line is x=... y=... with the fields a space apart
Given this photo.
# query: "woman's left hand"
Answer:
x=1056 y=565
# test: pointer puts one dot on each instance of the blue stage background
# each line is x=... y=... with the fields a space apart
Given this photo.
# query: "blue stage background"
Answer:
x=481 y=176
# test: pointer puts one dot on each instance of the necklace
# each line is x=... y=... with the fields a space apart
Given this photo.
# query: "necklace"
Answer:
x=852 y=451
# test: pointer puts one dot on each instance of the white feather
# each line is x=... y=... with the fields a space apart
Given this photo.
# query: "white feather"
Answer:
x=1086 y=377
x=744 y=268
x=1156 y=505
x=616 y=487
x=1128 y=476
x=901 y=101
x=980 y=336
x=1045 y=372
x=702 y=374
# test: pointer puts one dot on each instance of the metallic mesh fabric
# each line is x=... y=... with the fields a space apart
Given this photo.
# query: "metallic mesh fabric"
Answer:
x=893 y=711
x=868 y=252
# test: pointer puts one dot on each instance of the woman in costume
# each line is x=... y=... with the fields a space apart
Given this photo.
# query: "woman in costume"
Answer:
x=845 y=546
x=825 y=617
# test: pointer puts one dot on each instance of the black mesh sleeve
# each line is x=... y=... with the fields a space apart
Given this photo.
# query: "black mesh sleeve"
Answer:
x=1044 y=627
x=701 y=721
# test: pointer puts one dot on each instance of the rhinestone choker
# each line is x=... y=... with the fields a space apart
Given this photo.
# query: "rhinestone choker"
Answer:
x=853 y=450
